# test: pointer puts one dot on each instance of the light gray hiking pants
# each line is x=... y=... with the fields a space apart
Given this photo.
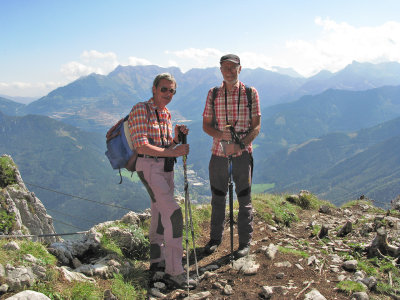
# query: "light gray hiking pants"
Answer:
x=219 y=178
x=165 y=233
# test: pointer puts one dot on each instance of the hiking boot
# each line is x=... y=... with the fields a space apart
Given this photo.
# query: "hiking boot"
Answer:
x=157 y=266
x=180 y=281
x=243 y=250
x=211 y=246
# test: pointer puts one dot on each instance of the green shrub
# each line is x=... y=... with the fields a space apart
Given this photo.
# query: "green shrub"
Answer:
x=7 y=174
x=124 y=289
x=306 y=201
x=84 y=291
x=7 y=221
x=293 y=251
x=350 y=287
x=37 y=249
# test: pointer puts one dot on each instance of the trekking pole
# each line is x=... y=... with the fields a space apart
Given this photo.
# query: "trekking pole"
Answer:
x=183 y=138
x=231 y=205
x=230 y=185
x=188 y=207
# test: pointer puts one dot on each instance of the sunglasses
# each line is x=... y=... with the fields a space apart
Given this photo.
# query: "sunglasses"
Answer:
x=164 y=90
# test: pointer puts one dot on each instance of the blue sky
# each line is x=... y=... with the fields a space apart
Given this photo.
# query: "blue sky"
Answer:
x=45 y=44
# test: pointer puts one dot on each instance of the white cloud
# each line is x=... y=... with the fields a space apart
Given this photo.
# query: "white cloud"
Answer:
x=136 y=61
x=198 y=55
x=338 y=45
x=27 y=89
x=341 y=43
x=195 y=58
x=91 y=62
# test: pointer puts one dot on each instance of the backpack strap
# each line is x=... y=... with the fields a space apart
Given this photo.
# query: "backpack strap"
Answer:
x=249 y=93
x=214 y=95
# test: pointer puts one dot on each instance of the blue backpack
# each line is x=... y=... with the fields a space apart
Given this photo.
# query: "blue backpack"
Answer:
x=120 y=151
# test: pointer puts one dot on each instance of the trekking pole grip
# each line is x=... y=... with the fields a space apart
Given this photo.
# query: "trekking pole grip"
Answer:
x=182 y=137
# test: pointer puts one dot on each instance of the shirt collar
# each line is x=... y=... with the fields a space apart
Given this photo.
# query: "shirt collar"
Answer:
x=154 y=107
x=235 y=87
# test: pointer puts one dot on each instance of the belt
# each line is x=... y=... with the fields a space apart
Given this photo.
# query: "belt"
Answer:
x=149 y=156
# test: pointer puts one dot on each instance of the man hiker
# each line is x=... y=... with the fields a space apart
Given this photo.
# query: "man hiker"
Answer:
x=157 y=146
x=228 y=113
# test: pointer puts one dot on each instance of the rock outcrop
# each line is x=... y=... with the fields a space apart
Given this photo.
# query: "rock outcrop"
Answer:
x=27 y=214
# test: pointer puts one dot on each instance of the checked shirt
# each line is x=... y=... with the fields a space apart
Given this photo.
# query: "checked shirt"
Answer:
x=239 y=118
x=144 y=131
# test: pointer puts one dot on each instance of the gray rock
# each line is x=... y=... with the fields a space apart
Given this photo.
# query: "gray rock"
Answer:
x=2 y=271
x=284 y=264
x=246 y=265
x=266 y=292
x=66 y=251
x=271 y=251
x=158 y=276
x=39 y=271
x=156 y=293
x=76 y=263
x=160 y=286
x=99 y=269
x=30 y=258
x=11 y=246
x=228 y=290
x=217 y=285
x=211 y=267
x=131 y=218
x=314 y=295
x=299 y=266
x=370 y=282
x=358 y=276
x=18 y=278
x=396 y=203
x=350 y=265
x=3 y=288
x=359 y=296
x=108 y=295
x=345 y=230
x=325 y=209
x=198 y=296
x=312 y=260
x=341 y=277
x=28 y=295
x=30 y=214
x=366 y=229
x=74 y=276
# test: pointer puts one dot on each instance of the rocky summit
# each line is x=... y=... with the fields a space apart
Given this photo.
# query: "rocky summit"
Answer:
x=302 y=248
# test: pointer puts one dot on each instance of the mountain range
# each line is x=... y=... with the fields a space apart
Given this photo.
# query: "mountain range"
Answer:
x=95 y=101
x=328 y=133
x=340 y=166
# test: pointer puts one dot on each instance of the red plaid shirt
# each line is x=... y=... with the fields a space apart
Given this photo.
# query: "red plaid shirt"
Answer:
x=144 y=131
x=239 y=118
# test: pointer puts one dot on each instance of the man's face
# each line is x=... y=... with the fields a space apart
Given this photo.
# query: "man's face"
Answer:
x=230 y=71
x=163 y=93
